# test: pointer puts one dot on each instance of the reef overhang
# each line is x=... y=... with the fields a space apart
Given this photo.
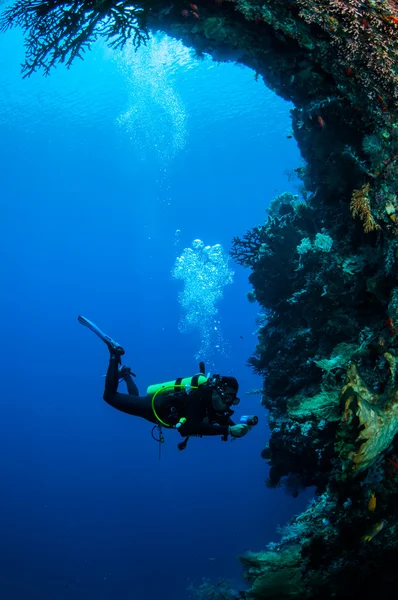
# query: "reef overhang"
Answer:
x=323 y=265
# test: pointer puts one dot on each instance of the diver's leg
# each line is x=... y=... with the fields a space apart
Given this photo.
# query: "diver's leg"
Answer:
x=131 y=386
x=129 y=404
x=137 y=406
x=112 y=375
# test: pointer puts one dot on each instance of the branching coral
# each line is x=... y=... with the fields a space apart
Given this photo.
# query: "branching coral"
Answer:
x=364 y=36
x=61 y=30
x=370 y=419
x=247 y=250
x=220 y=590
x=360 y=206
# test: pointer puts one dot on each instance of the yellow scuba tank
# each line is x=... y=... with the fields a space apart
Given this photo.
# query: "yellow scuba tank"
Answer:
x=177 y=385
x=181 y=384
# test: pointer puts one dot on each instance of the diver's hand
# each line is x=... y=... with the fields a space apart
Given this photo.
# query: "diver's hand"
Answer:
x=238 y=431
x=126 y=372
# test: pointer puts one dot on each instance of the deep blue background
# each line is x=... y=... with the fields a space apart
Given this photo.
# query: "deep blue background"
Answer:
x=89 y=211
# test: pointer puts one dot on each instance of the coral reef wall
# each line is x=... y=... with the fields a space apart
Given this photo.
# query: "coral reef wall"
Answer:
x=323 y=265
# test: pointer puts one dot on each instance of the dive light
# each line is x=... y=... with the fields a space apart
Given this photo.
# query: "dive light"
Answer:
x=250 y=420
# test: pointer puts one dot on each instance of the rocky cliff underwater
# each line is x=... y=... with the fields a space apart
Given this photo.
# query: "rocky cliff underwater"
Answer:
x=323 y=266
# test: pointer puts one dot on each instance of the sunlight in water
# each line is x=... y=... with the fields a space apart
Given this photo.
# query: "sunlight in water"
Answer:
x=156 y=117
x=205 y=272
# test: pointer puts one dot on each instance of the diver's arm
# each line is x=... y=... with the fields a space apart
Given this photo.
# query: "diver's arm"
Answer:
x=203 y=429
x=219 y=429
x=207 y=429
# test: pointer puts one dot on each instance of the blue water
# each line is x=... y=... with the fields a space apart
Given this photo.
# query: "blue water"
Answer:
x=100 y=166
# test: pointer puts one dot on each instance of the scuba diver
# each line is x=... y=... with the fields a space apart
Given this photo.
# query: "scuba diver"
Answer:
x=195 y=406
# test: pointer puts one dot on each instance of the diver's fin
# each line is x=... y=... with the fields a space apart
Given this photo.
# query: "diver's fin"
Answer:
x=114 y=347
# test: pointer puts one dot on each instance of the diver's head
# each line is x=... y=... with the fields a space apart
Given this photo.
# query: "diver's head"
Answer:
x=224 y=392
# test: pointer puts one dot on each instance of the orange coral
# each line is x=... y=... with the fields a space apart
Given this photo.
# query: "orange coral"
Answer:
x=360 y=206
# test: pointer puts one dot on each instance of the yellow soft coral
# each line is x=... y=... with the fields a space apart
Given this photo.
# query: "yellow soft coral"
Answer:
x=369 y=419
x=360 y=206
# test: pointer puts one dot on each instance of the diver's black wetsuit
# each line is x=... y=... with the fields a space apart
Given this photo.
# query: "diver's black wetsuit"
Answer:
x=201 y=418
